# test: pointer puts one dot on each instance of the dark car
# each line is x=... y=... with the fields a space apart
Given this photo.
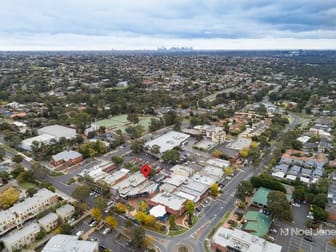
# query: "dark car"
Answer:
x=308 y=238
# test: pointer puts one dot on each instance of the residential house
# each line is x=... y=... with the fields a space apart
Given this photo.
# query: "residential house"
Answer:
x=18 y=239
x=65 y=212
x=29 y=208
x=48 y=222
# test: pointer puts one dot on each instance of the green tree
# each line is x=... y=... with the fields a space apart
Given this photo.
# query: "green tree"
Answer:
x=299 y=193
x=117 y=160
x=82 y=120
x=319 y=214
x=133 y=118
x=190 y=209
x=39 y=171
x=172 y=222
x=17 y=158
x=172 y=156
x=170 y=117
x=102 y=130
x=137 y=146
x=320 y=200
x=135 y=131
x=100 y=202
x=138 y=237
x=2 y=153
x=279 y=206
x=65 y=229
x=244 y=189
x=81 y=192
x=155 y=124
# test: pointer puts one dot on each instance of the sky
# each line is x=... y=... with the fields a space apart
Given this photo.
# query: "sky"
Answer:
x=152 y=24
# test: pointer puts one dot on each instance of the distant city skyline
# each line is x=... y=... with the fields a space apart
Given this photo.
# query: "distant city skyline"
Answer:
x=152 y=24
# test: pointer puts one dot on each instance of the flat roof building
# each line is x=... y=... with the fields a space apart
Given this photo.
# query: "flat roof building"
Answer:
x=69 y=243
x=174 y=204
x=221 y=163
x=49 y=222
x=27 y=143
x=237 y=240
x=29 y=208
x=58 y=131
x=65 y=212
x=168 y=141
x=18 y=239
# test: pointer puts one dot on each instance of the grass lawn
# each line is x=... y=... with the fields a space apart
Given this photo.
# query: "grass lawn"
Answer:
x=179 y=231
x=120 y=122
x=27 y=185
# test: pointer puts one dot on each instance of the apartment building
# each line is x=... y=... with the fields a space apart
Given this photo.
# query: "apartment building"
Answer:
x=18 y=239
x=23 y=211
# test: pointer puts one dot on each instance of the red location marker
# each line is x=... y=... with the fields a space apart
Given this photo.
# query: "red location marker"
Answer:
x=145 y=170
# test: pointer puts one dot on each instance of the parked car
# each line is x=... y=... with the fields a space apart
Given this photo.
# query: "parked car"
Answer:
x=296 y=205
x=106 y=231
x=79 y=233
x=92 y=223
x=308 y=238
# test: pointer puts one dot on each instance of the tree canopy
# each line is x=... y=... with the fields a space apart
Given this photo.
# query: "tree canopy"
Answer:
x=279 y=207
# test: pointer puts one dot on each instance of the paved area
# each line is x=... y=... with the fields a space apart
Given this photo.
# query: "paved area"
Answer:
x=297 y=243
x=330 y=248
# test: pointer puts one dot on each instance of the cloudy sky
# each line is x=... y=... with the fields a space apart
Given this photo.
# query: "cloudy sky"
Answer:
x=149 y=24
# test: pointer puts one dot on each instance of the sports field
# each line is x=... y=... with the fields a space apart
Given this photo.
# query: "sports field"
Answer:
x=120 y=122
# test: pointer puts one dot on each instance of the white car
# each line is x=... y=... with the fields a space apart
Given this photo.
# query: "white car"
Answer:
x=106 y=230
x=296 y=205
x=79 y=233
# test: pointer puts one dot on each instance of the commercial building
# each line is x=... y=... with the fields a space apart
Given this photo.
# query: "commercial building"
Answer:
x=65 y=212
x=69 y=243
x=182 y=170
x=27 y=143
x=212 y=172
x=29 y=208
x=58 y=131
x=18 y=239
x=135 y=186
x=193 y=190
x=220 y=163
x=237 y=240
x=48 y=222
x=168 y=141
x=174 y=204
x=257 y=223
x=260 y=197
x=66 y=158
